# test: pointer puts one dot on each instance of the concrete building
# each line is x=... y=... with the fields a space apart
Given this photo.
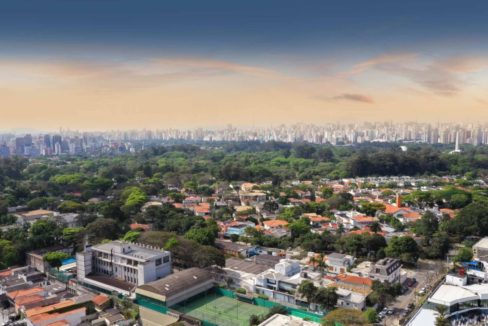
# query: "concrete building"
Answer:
x=480 y=249
x=339 y=263
x=283 y=320
x=36 y=260
x=177 y=287
x=386 y=270
x=121 y=266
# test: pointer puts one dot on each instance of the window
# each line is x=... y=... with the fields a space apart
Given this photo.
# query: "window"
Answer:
x=166 y=259
x=158 y=262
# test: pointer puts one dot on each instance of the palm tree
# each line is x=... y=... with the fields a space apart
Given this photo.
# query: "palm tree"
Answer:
x=312 y=261
x=321 y=264
x=441 y=319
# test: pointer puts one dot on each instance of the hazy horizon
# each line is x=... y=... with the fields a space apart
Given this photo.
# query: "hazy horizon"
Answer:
x=92 y=65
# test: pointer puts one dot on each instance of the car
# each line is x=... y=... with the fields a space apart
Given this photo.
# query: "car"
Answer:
x=390 y=311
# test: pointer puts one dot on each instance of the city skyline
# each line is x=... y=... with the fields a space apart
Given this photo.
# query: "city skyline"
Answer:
x=70 y=142
x=120 y=65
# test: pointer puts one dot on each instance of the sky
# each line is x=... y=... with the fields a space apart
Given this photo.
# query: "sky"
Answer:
x=133 y=64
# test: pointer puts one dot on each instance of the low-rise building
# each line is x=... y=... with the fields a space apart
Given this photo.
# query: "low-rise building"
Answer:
x=121 y=266
x=338 y=263
x=480 y=249
x=284 y=320
x=386 y=270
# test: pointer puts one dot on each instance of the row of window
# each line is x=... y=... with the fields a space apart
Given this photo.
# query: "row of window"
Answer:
x=164 y=260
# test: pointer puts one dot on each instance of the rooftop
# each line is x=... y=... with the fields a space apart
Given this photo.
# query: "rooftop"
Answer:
x=133 y=250
x=245 y=266
x=448 y=295
x=177 y=282
x=483 y=243
x=283 y=320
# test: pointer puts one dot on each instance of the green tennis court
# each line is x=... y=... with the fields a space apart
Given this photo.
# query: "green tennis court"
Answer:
x=220 y=310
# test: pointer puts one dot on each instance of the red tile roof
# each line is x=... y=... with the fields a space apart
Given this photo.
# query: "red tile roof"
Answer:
x=352 y=279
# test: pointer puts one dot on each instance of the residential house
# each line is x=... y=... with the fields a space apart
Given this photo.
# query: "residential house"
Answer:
x=338 y=263
x=386 y=270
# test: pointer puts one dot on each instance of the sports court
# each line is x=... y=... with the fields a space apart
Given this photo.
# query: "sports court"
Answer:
x=221 y=310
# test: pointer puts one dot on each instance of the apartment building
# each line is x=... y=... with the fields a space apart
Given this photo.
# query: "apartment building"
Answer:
x=127 y=264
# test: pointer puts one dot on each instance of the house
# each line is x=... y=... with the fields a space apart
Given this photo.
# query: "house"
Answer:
x=480 y=249
x=338 y=263
x=252 y=198
x=70 y=220
x=285 y=320
x=33 y=216
x=275 y=224
x=353 y=283
x=235 y=249
x=350 y=299
x=237 y=228
x=386 y=270
x=201 y=209
x=61 y=318
x=242 y=273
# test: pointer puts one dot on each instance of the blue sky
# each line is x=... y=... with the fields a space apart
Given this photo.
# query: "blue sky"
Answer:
x=185 y=27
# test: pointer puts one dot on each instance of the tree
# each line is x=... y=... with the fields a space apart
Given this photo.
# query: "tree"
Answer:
x=73 y=237
x=308 y=290
x=436 y=246
x=44 y=233
x=327 y=192
x=441 y=319
x=371 y=315
x=102 y=228
x=370 y=208
x=375 y=227
x=206 y=256
x=346 y=317
x=327 y=297
x=8 y=252
x=69 y=206
x=3 y=206
x=270 y=206
x=427 y=225
x=404 y=248
x=55 y=258
x=131 y=236
x=134 y=198
x=299 y=227
x=254 y=320
x=204 y=234
x=471 y=220
x=464 y=254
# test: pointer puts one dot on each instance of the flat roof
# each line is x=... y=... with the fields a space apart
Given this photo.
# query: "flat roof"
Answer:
x=245 y=266
x=111 y=281
x=283 y=320
x=423 y=317
x=177 y=282
x=448 y=295
x=137 y=251
x=483 y=243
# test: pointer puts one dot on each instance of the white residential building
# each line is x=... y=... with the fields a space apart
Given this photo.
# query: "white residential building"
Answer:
x=126 y=264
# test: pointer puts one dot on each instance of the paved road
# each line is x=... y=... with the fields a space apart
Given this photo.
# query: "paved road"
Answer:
x=426 y=273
